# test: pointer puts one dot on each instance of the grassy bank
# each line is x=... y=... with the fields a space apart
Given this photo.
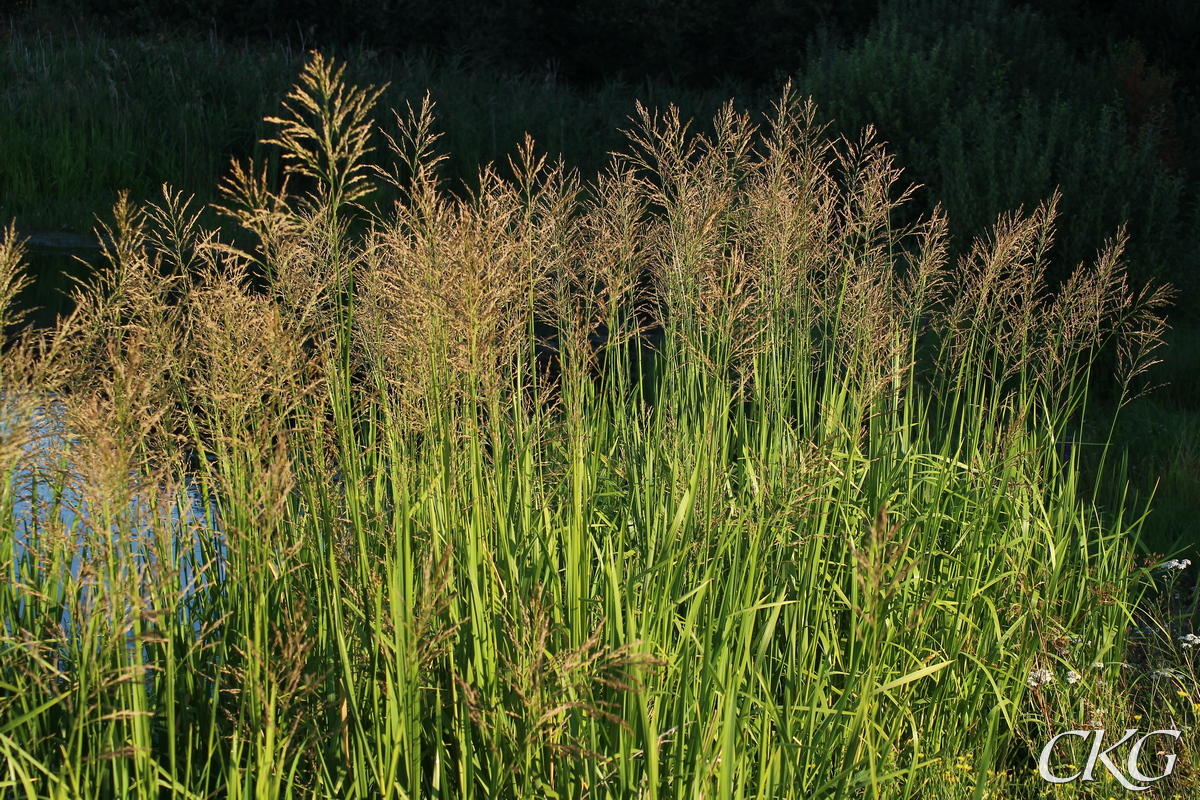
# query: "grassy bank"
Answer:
x=820 y=540
x=84 y=115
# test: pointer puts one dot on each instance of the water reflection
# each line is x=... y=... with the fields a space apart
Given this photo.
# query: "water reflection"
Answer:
x=55 y=261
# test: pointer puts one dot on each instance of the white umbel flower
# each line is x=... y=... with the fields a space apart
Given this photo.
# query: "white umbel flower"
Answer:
x=1039 y=676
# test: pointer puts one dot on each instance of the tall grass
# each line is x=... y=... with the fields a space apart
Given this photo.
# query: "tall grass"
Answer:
x=459 y=530
x=988 y=107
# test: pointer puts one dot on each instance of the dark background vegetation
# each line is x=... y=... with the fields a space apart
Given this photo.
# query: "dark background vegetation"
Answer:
x=690 y=40
x=693 y=41
x=988 y=105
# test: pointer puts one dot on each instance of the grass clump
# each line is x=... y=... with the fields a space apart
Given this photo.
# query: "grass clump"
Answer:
x=699 y=480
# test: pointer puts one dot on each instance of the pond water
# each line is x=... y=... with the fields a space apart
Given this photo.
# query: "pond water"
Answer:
x=55 y=260
x=47 y=504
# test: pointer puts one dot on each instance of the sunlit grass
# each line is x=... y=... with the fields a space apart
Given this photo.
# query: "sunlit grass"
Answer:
x=814 y=543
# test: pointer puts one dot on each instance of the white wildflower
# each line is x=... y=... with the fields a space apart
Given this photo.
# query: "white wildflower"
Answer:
x=1039 y=676
x=1189 y=641
x=1176 y=563
x=1073 y=676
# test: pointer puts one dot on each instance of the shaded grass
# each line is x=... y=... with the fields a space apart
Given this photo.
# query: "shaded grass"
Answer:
x=1157 y=436
x=990 y=109
x=85 y=115
x=985 y=106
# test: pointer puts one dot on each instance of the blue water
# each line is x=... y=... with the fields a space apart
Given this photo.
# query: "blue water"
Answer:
x=41 y=510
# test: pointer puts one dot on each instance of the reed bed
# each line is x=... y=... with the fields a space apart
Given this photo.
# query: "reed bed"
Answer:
x=699 y=480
